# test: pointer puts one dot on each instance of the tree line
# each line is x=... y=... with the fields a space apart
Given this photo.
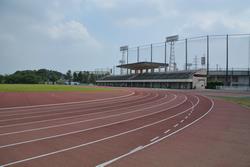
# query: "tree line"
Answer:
x=83 y=77
x=48 y=76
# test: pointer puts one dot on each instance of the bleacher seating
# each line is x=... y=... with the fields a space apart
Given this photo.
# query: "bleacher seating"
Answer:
x=152 y=76
x=117 y=77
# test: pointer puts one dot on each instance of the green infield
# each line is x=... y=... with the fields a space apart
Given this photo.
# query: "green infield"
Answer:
x=244 y=101
x=48 y=88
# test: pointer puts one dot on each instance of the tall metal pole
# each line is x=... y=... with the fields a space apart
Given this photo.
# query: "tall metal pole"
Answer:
x=227 y=60
x=138 y=53
x=207 y=56
x=165 y=56
x=186 y=54
x=127 y=61
x=151 y=53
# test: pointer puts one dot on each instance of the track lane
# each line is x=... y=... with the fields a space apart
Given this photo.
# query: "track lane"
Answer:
x=68 y=98
x=78 y=118
x=89 y=124
x=12 y=121
x=62 y=109
x=82 y=152
x=100 y=146
x=5 y=130
x=78 y=138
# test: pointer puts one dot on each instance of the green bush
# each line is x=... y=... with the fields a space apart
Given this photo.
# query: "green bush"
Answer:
x=213 y=84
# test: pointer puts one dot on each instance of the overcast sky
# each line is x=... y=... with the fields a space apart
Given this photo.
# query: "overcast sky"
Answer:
x=87 y=34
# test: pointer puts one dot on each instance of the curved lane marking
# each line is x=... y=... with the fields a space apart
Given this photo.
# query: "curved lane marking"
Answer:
x=37 y=116
x=88 y=120
x=59 y=104
x=87 y=129
x=56 y=119
x=59 y=108
x=95 y=141
x=156 y=141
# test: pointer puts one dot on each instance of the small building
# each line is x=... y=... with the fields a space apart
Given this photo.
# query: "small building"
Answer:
x=234 y=77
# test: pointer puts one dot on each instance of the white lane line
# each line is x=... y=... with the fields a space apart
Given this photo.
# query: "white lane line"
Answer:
x=67 y=103
x=154 y=138
x=148 y=145
x=62 y=108
x=167 y=131
x=50 y=114
x=136 y=149
x=56 y=119
x=132 y=151
x=92 y=128
x=88 y=120
x=186 y=117
x=21 y=112
x=176 y=125
x=96 y=141
x=182 y=121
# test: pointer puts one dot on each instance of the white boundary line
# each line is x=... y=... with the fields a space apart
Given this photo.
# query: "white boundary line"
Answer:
x=62 y=118
x=83 y=130
x=50 y=114
x=127 y=154
x=96 y=141
x=87 y=120
x=157 y=137
x=59 y=104
x=61 y=107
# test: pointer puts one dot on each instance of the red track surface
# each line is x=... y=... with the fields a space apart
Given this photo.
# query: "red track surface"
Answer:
x=116 y=129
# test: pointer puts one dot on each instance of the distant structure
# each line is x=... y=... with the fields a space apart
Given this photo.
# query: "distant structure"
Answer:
x=172 y=40
x=124 y=50
x=197 y=74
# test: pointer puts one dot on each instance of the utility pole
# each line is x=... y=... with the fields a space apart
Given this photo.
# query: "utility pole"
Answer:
x=227 y=60
x=186 y=54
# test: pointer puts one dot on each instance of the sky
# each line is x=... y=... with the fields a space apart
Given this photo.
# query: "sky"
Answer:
x=86 y=34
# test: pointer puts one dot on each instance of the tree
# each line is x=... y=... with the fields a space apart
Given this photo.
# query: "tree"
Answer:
x=80 y=77
x=53 y=78
x=69 y=76
x=92 y=78
x=1 y=79
x=75 y=77
x=85 y=77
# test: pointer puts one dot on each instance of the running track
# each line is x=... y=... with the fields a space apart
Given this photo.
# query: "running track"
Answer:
x=96 y=132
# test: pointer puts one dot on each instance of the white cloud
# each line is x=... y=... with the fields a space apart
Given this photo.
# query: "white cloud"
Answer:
x=72 y=31
x=104 y=4
x=134 y=22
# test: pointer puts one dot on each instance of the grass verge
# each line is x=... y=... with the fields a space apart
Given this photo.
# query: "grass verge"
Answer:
x=48 y=88
x=244 y=101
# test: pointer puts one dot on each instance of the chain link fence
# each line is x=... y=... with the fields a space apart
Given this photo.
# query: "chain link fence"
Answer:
x=230 y=51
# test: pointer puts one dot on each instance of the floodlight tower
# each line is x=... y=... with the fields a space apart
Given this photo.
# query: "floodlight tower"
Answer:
x=124 y=50
x=171 y=40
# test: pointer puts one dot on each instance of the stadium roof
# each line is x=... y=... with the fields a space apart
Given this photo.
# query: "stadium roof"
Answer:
x=142 y=65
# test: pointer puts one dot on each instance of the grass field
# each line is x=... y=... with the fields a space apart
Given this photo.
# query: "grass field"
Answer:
x=47 y=88
x=244 y=101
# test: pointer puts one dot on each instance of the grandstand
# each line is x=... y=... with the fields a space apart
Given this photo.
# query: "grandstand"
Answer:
x=181 y=52
x=142 y=74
